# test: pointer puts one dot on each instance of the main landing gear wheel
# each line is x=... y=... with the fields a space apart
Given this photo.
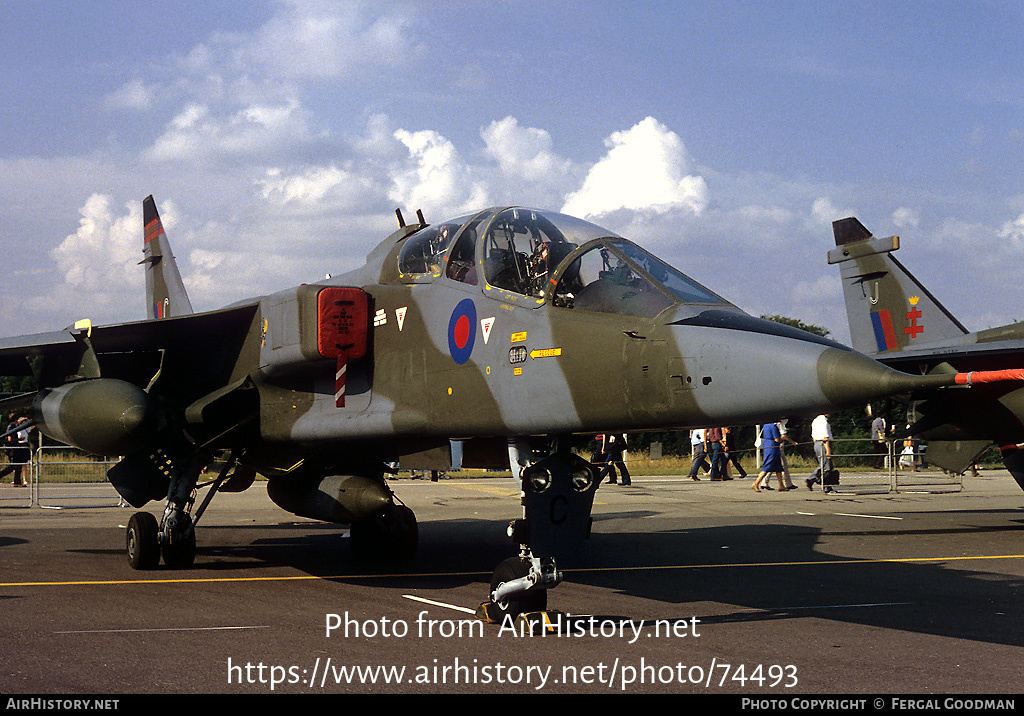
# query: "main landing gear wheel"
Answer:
x=142 y=543
x=532 y=600
x=392 y=534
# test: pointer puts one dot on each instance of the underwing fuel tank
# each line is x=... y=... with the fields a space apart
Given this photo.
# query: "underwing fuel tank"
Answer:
x=343 y=499
x=102 y=416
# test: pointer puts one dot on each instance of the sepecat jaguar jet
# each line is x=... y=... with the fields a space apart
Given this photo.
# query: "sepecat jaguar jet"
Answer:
x=896 y=320
x=509 y=329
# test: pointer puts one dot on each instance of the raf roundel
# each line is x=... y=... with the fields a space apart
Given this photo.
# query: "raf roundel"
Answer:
x=462 y=331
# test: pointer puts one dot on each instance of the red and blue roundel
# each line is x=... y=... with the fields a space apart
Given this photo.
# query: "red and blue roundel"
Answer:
x=462 y=330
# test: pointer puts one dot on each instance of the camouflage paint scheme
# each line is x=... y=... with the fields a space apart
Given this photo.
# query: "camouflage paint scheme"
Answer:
x=896 y=320
x=507 y=329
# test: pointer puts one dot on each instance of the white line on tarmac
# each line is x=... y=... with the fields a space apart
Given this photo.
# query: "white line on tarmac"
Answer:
x=439 y=604
x=132 y=631
x=850 y=514
x=837 y=606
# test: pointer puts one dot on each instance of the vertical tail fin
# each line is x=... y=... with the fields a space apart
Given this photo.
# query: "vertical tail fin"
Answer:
x=165 y=293
x=887 y=308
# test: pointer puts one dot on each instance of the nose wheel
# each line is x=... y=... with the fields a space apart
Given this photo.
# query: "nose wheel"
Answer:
x=515 y=571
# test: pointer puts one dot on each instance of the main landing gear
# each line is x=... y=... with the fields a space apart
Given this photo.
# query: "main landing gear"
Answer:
x=391 y=534
x=557 y=496
x=174 y=537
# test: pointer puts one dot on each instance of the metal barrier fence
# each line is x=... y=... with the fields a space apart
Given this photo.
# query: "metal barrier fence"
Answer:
x=66 y=477
x=58 y=477
x=868 y=467
x=863 y=468
x=913 y=473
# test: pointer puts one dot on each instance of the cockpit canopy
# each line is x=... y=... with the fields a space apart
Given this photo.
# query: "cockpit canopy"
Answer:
x=545 y=256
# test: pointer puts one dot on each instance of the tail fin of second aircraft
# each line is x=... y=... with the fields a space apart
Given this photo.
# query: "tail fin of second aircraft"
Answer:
x=887 y=308
x=165 y=292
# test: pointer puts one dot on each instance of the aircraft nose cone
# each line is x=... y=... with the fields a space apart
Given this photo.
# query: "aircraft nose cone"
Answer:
x=848 y=378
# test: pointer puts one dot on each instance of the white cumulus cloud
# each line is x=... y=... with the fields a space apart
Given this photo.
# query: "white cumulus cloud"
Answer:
x=824 y=212
x=522 y=151
x=319 y=188
x=97 y=263
x=645 y=169
x=256 y=129
x=905 y=218
x=433 y=176
x=94 y=257
x=1013 y=231
x=321 y=39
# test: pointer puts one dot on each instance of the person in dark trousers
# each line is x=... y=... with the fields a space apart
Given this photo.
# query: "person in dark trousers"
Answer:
x=821 y=434
x=713 y=439
x=732 y=456
x=614 y=446
x=18 y=452
x=698 y=448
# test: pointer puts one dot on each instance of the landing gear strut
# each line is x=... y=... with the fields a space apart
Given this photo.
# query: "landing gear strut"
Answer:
x=174 y=536
x=557 y=496
x=516 y=588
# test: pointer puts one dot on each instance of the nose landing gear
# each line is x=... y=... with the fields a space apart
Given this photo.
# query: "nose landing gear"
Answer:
x=557 y=497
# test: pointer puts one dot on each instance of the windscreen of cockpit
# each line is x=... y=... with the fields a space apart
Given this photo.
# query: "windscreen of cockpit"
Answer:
x=688 y=290
x=523 y=246
x=606 y=279
x=424 y=251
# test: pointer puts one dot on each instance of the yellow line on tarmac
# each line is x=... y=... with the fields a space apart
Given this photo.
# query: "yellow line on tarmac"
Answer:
x=807 y=563
x=210 y=580
x=312 y=577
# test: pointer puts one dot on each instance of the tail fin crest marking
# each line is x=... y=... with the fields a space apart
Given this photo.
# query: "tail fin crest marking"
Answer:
x=165 y=291
x=885 y=336
x=888 y=309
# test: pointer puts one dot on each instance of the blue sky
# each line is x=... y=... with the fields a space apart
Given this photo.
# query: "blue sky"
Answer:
x=278 y=137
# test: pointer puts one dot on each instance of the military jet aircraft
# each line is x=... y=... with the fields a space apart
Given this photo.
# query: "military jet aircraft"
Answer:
x=509 y=329
x=896 y=320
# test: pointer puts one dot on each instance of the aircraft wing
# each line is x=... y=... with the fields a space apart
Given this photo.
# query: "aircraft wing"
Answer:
x=120 y=350
x=974 y=356
x=181 y=330
x=15 y=351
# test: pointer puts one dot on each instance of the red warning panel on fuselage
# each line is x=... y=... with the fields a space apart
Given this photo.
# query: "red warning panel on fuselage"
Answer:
x=342 y=322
